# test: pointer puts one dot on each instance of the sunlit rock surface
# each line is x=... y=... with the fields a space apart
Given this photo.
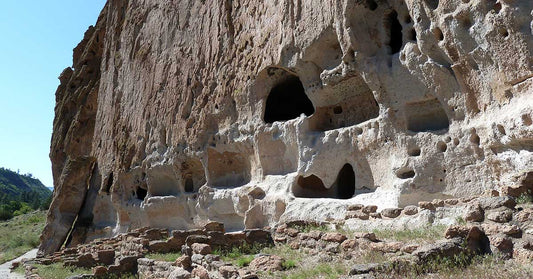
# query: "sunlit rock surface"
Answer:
x=257 y=112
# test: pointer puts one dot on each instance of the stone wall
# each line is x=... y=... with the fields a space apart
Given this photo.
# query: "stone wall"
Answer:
x=258 y=112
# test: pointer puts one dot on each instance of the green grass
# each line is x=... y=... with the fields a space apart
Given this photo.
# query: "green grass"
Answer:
x=524 y=198
x=285 y=252
x=429 y=233
x=310 y=227
x=239 y=255
x=460 y=221
x=20 y=234
x=461 y=266
x=58 y=271
x=321 y=270
x=166 y=257
x=244 y=260
x=288 y=264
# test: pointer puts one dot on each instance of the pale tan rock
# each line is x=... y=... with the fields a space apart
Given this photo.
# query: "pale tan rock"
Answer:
x=201 y=248
x=349 y=244
x=501 y=215
x=200 y=272
x=409 y=248
x=410 y=210
x=369 y=209
x=172 y=113
x=426 y=205
x=391 y=212
x=267 y=263
x=366 y=235
x=183 y=261
x=333 y=237
x=473 y=213
x=357 y=214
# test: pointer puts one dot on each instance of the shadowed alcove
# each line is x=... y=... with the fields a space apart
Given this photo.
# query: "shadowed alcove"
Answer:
x=395 y=32
x=313 y=187
x=426 y=115
x=287 y=100
x=345 y=183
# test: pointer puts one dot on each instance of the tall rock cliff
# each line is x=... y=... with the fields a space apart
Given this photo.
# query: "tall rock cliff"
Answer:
x=254 y=112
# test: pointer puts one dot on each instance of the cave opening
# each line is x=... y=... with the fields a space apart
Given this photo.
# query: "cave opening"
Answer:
x=141 y=193
x=287 y=101
x=312 y=182
x=346 y=182
x=313 y=187
x=189 y=185
x=425 y=116
x=395 y=27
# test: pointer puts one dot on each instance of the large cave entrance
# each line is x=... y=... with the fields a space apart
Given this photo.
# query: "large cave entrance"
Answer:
x=287 y=100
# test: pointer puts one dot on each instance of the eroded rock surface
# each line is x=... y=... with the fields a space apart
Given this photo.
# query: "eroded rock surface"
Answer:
x=176 y=113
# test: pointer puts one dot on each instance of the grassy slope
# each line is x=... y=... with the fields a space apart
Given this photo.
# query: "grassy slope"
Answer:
x=20 y=234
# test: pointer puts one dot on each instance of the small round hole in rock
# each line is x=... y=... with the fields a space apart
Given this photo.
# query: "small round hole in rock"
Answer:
x=504 y=32
x=405 y=173
x=501 y=129
x=372 y=5
x=414 y=151
x=441 y=146
x=474 y=138
x=526 y=119
x=337 y=110
x=141 y=193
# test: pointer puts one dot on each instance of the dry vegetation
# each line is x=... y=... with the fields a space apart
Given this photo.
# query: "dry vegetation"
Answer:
x=20 y=234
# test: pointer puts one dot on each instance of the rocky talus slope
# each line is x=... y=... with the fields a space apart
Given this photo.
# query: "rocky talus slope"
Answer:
x=257 y=113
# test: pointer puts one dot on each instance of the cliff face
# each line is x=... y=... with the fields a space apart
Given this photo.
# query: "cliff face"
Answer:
x=254 y=112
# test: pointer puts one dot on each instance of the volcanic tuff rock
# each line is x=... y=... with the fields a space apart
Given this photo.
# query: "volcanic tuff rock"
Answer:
x=176 y=113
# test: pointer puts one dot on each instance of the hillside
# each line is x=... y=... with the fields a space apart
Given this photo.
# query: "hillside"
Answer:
x=21 y=192
x=14 y=184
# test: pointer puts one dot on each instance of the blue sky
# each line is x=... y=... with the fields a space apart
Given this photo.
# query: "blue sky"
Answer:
x=36 y=42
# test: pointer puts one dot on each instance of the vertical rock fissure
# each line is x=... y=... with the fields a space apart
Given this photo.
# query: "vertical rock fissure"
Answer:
x=395 y=28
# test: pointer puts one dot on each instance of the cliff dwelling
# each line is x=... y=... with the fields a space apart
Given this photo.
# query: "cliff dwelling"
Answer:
x=252 y=114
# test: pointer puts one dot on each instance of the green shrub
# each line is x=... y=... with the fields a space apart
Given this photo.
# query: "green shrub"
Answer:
x=166 y=257
x=245 y=260
x=525 y=198
x=288 y=264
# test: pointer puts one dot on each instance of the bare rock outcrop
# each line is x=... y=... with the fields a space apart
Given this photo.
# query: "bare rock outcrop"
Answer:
x=251 y=113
